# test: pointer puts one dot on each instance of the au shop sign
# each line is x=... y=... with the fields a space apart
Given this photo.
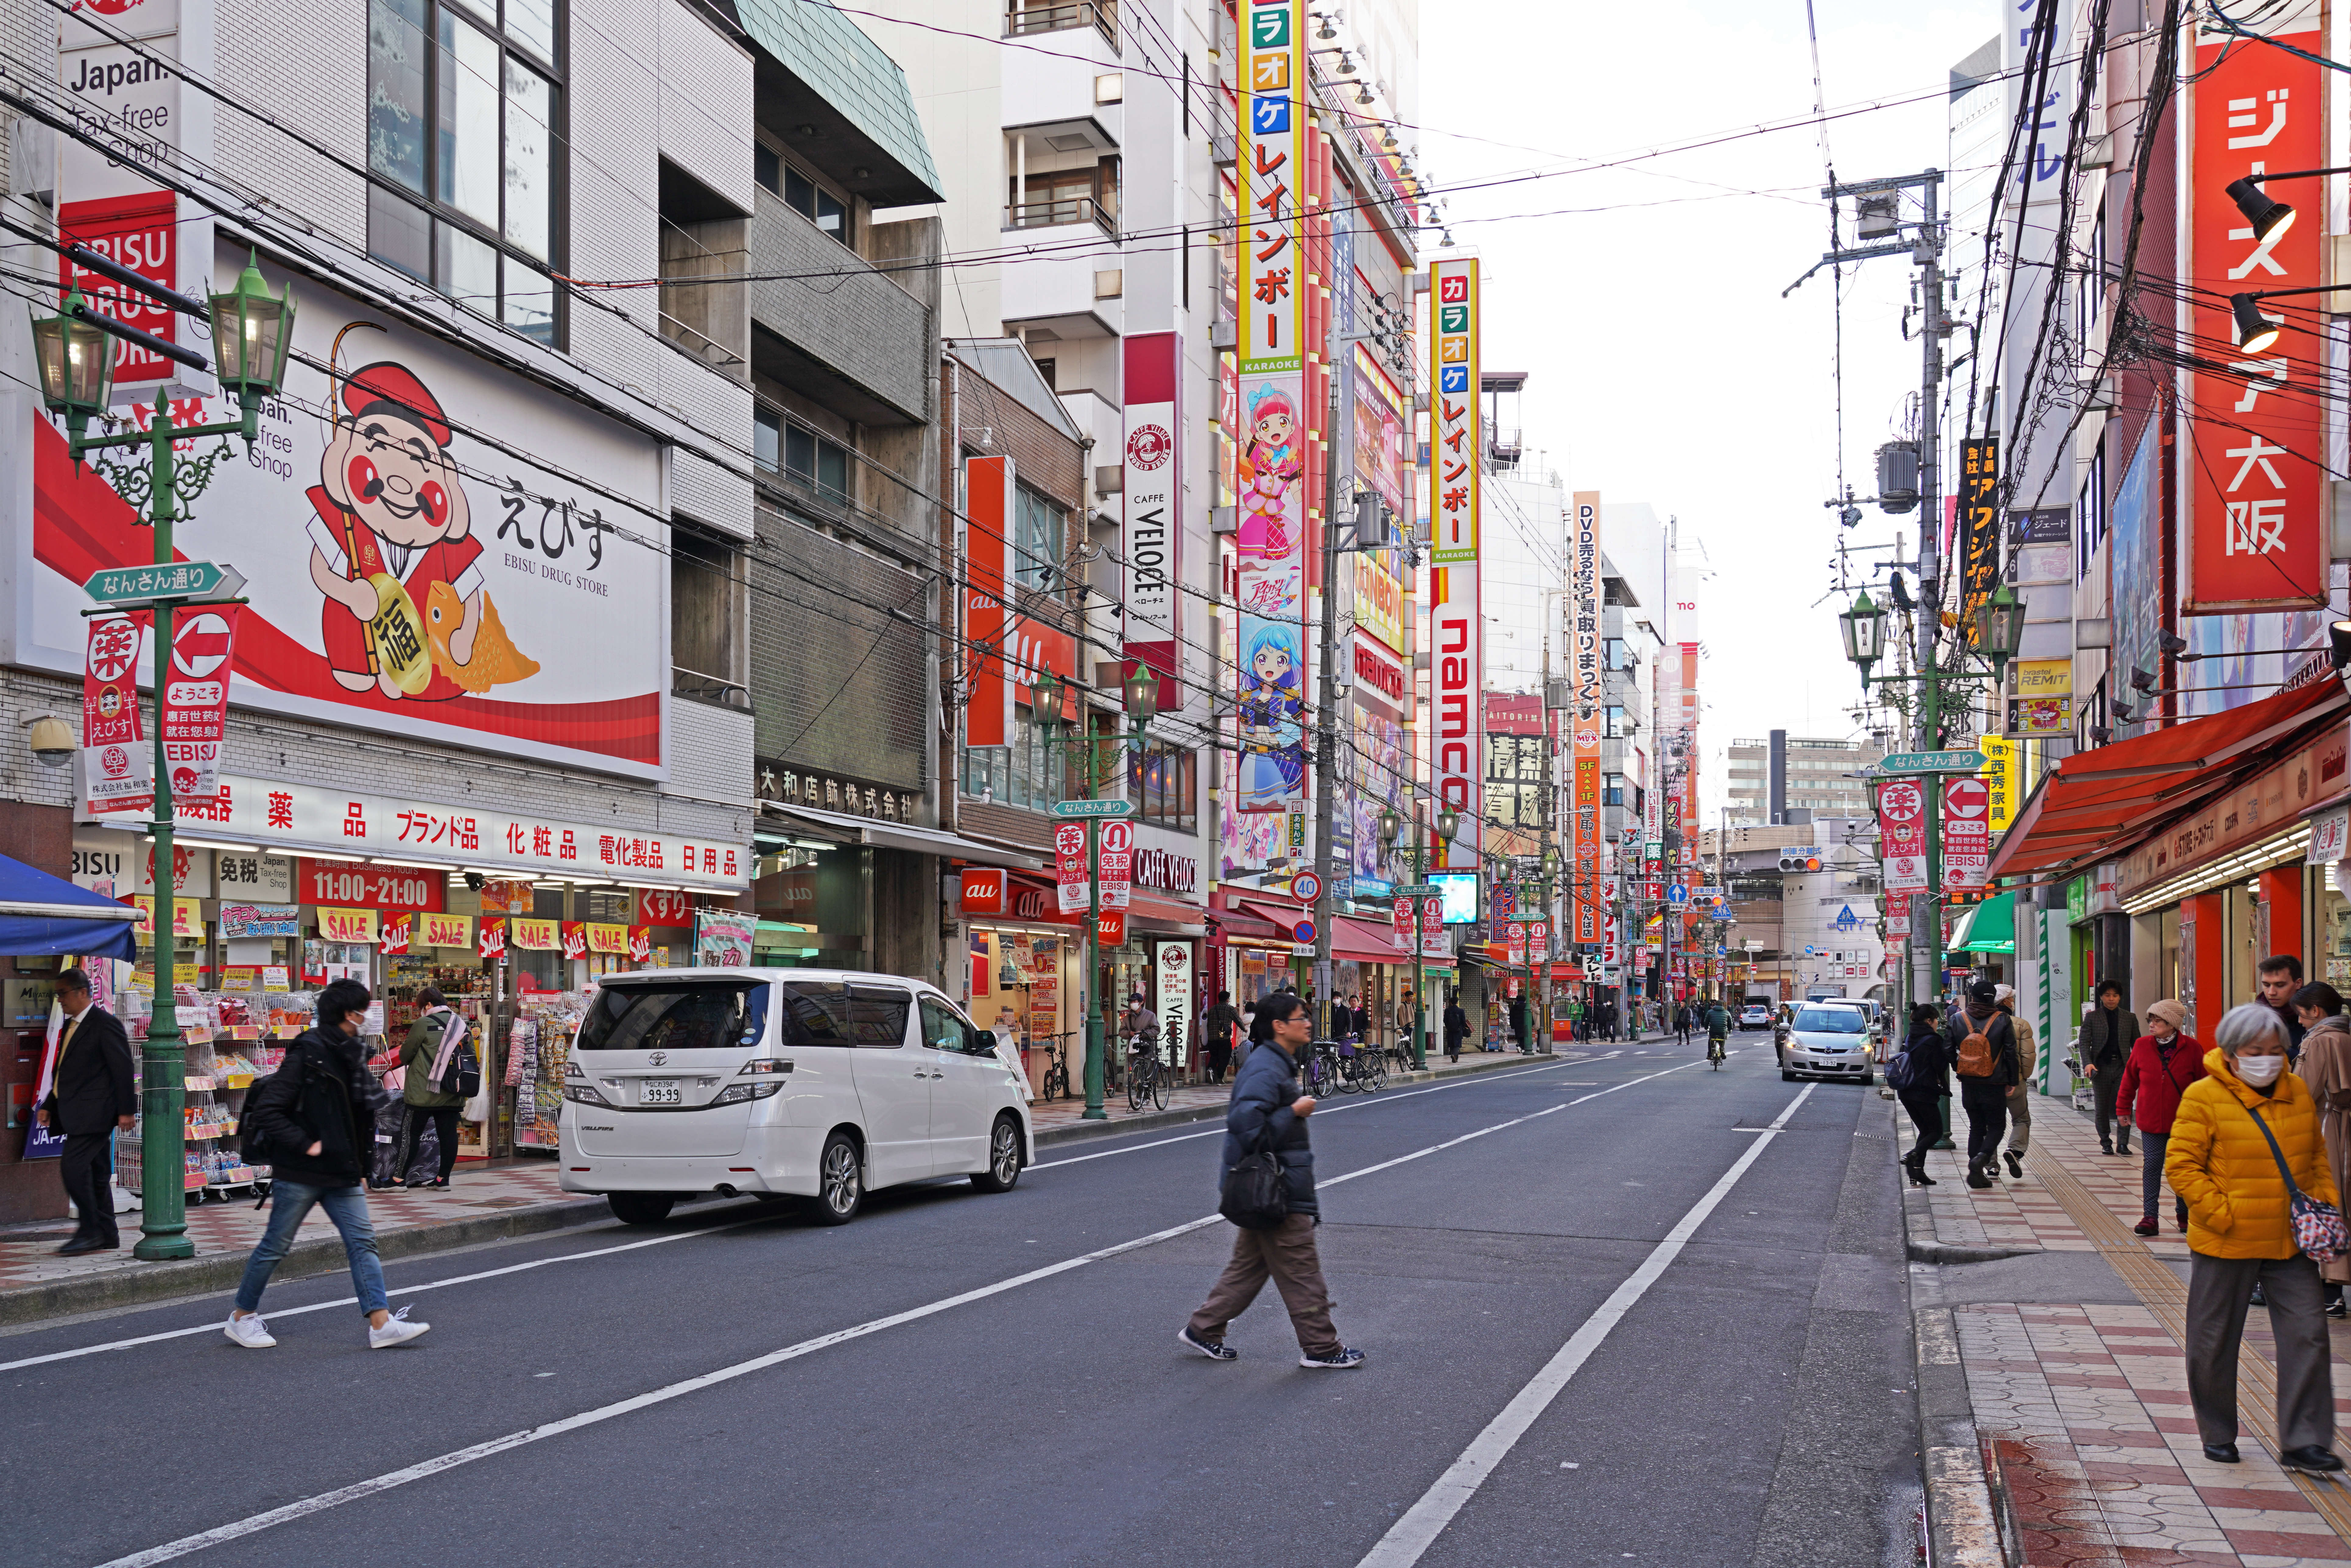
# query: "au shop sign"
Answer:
x=391 y=586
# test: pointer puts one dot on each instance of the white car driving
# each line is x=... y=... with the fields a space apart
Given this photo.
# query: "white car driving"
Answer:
x=817 y=1083
x=1828 y=1039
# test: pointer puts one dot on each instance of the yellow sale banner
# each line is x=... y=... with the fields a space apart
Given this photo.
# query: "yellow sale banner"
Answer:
x=444 y=930
x=346 y=925
x=538 y=935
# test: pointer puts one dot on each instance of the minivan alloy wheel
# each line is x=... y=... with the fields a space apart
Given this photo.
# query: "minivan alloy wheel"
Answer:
x=1004 y=1158
x=839 y=1181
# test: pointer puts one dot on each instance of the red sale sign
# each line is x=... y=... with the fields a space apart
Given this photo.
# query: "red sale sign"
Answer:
x=1902 y=834
x=1070 y=866
x=1966 y=833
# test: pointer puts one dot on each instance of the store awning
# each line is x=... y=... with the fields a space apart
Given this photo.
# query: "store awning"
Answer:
x=1166 y=917
x=1283 y=916
x=2096 y=805
x=1988 y=928
x=1247 y=927
x=41 y=914
x=903 y=836
x=1365 y=942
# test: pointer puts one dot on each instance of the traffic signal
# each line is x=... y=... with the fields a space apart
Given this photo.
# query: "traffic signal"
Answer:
x=1800 y=863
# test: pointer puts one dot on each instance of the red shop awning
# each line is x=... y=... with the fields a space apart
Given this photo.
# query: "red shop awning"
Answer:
x=1365 y=942
x=2100 y=804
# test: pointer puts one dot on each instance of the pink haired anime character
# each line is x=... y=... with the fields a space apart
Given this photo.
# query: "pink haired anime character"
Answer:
x=1273 y=458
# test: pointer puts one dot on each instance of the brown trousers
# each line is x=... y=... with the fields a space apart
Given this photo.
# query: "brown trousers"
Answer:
x=1286 y=1255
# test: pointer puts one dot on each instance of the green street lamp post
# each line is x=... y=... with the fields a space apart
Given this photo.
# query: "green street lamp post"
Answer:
x=252 y=333
x=1048 y=698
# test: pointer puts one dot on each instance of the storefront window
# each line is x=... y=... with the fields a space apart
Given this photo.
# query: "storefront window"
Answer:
x=1025 y=773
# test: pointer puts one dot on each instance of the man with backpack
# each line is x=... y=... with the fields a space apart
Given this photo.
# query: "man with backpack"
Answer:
x=1983 y=1055
x=1268 y=1114
x=436 y=1061
x=311 y=1121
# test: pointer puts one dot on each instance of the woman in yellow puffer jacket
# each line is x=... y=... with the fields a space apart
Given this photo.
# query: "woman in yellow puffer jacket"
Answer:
x=2241 y=1234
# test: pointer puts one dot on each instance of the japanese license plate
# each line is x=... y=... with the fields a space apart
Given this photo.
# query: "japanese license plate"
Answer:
x=657 y=1092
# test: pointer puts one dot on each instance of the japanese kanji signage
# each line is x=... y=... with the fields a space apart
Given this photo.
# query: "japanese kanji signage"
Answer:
x=1967 y=833
x=1271 y=336
x=118 y=772
x=988 y=548
x=195 y=699
x=1453 y=410
x=1151 y=491
x=1979 y=527
x=1902 y=834
x=2255 y=491
x=1588 y=715
x=1070 y=868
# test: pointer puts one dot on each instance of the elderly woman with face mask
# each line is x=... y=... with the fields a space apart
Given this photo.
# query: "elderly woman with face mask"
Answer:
x=2238 y=1131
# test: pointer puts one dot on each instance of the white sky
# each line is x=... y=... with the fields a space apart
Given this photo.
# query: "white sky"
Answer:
x=1664 y=366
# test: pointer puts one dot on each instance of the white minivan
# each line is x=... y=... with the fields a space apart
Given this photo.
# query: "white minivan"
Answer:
x=821 y=1083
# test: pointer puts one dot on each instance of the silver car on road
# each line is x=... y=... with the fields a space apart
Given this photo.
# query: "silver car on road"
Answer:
x=1828 y=1039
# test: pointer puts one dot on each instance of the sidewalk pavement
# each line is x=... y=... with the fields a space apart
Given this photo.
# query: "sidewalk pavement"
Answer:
x=2090 y=1453
x=484 y=1203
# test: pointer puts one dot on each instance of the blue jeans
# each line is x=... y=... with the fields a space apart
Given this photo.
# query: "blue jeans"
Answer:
x=289 y=1203
x=2151 y=1148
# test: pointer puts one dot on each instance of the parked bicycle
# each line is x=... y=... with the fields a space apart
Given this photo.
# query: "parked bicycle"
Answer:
x=1055 y=1082
x=1146 y=1076
x=1362 y=1067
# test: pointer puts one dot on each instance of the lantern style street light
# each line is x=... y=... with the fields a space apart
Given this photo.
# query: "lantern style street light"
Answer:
x=2000 y=630
x=74 y=351
x=1863 y=628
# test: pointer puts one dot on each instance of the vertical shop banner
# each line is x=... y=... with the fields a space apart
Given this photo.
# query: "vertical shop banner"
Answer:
x=1456 y=630
x=1405 y=923
x=1434 y=941
x=1270 y=473
x=1117 y=868
x=1151 y=502
x=195 y=699
x=1514 y=936
x=988 y=596
x=119 y=772
x=2256 y=494
x=1979 y=524
x=398 y=931
x=1171 y=975
x=1967 y=833
x=2001 y=774
x=1588 y=712
x=493 y=935
x=575 y=940
x=1902 y=834
x=1070 y=866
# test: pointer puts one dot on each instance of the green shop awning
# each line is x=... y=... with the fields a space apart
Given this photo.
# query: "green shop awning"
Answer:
x=1988 y=928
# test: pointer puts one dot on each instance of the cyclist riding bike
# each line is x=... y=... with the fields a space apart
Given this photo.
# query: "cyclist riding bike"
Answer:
x=1718 y=1030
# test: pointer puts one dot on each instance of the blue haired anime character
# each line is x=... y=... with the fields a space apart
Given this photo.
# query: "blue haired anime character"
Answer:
x=1270 y=718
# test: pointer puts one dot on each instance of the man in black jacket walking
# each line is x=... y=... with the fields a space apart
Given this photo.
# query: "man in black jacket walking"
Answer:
x=1985 y=1095
x=1268 y=1111
x=90 y=1098
x=316 y=1114
x=2107 y=1035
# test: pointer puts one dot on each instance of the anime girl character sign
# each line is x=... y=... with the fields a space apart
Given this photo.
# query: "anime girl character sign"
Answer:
x=392 y=552
x=1273 y=710
x=1272 y=463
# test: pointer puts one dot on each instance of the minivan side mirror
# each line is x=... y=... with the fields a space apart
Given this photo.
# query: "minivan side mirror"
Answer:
x=985 y=1040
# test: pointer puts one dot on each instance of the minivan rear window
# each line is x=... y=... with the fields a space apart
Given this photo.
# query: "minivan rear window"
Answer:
x=676 y=1015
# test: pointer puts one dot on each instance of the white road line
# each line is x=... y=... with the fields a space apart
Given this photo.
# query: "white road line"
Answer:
x=215 y=1327
x=1412 y=1535
x=306 y=1507
x=1324 y=1109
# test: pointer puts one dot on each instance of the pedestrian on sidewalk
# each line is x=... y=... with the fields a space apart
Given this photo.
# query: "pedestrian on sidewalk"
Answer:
x=2020 y=1098
x=1518 y=1023
x=2281 y=977
x=1456 y=1029
x=2326 y=1070
x=1930 y=1085
x=2107 y=1035
x=1359 y=1022
x=1269 y=1112
x=1987 y=1071
x=1682 y=1021
x=2238 y=1131
x=2163 y=1062
x=1218 y=1023
x=310 y=1114
x=92 y=1096
x=426 y=1058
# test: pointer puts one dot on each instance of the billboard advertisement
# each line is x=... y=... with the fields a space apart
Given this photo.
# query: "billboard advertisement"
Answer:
x=1456 y=626
x=986 y=620
x=1588 y=689
x=1152 y=481
x=433 y=548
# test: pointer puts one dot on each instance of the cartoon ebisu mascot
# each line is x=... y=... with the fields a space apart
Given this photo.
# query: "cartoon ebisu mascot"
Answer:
x=393 y=551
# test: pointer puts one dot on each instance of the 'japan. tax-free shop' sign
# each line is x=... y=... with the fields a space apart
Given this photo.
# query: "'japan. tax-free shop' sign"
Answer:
x=405 y=572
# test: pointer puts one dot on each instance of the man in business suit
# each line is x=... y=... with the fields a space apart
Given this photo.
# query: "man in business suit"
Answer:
x=90 y=1097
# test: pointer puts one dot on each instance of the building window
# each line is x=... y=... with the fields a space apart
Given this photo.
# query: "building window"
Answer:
x=1611 y=789
x=463 y=103
x=806 y=460
x=1160 y=780
x=1615 y=725
x=1050 y=197
x=707 y=590
x=1039 y=531
x=1024 y=773
x=1618 y=654
x=801 y=192
x=2090 y=509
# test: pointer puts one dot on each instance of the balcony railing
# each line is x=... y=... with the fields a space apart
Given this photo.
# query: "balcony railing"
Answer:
x=1102 y=16
x=1056 y=211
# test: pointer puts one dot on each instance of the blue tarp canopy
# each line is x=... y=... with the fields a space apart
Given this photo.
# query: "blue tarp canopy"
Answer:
x=43 y=913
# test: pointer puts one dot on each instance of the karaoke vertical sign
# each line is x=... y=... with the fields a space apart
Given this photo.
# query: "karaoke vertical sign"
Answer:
x=1589 y=693
x=1270 y=473
x=1456 y=653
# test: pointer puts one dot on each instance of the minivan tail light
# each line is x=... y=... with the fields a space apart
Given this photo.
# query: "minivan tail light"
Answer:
x=736 y=1093
x=764 y=1067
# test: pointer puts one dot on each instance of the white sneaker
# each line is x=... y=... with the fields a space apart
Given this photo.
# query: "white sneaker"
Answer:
x=396 y=1330
x=248 y=1332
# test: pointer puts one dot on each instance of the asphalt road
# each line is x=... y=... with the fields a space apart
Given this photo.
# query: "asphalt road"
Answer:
x=962 y=1378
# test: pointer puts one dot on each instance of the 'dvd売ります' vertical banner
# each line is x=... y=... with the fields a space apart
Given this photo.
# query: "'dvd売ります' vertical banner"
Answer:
x=1270 y=471
x=1455 y=633
x=1588 y=712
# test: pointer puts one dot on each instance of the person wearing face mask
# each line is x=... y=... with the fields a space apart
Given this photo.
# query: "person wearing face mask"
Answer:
x=2163 y=1062
x=2239 y=1131
x=2325 y=1068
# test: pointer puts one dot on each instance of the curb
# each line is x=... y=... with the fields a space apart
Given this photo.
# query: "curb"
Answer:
x=1962 y=1521
x=1090 y=1132
x=324 y=1255
x=203 y=1276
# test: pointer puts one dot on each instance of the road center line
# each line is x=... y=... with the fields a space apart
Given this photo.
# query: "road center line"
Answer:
x=1412 y=1535
x=306 y=1507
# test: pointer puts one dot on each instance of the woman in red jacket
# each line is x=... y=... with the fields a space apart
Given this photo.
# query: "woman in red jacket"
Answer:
x=2163 y=1063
